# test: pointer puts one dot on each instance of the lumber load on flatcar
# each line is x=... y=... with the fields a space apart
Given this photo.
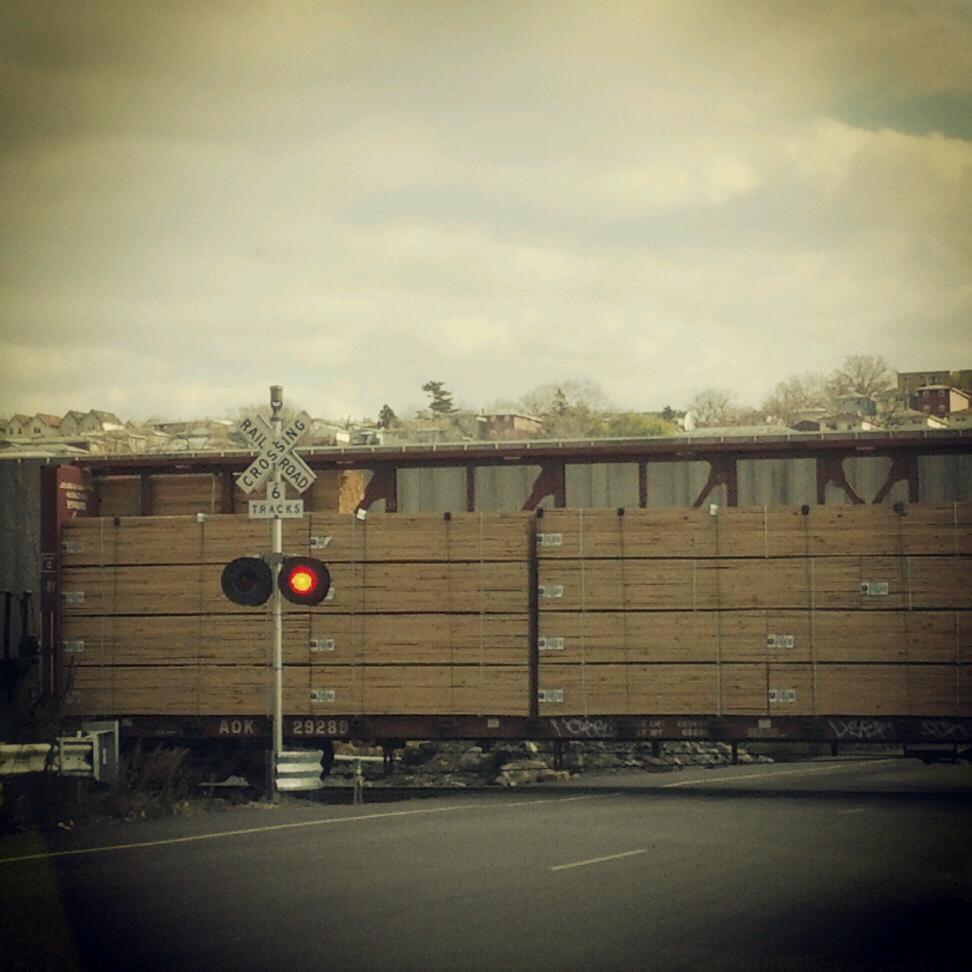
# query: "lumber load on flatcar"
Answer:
x=851 y=611
x=426 y=615
x=857 y=610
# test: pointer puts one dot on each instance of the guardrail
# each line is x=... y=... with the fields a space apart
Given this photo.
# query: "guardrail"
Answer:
x=91 y=753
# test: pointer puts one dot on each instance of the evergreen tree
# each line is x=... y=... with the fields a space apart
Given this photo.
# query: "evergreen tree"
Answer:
x=441 y=403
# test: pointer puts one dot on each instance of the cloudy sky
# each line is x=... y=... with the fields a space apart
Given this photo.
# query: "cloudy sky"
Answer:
x=201 y=198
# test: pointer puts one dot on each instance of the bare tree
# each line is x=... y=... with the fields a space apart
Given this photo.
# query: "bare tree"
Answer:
x=796 y=394
x=863 y=374
x=560 y=397
x=714 y=407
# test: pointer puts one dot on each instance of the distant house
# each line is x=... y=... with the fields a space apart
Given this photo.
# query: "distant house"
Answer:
x=734 y=431
x=909 y=418
x=44 y=425
x=940 y=400
x=71 y=422
x=167 y=426
x=910 y=381
x=205 y=435
x=849 y=422
x=96 y=421
x=156 y=441
x=841 y=422
x=17 y=425
x=862 y=405
x=124 y=442
x=808 y=419
x=361 y=435
x=402 y=436
x=961 y=419
x=509 y=424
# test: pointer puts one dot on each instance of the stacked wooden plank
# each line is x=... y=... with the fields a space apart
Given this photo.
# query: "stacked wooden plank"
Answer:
x=862 y=610
x=430 y=612
x=425 y=615
x=834 y=611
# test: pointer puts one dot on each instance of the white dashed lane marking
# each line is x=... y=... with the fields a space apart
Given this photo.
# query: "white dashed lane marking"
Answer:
x=771 y=775
x=599 y=860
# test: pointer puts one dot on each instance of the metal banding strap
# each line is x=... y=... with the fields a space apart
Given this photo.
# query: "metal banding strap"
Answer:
x=718 y=580
x=199 y=605
x=583 y=587
x=102 y=648
x=812 y=577
x=905 y=572
x=482 y=615
x=356 y=651
x=958 y=663
x=449 y=610
x=624 y=617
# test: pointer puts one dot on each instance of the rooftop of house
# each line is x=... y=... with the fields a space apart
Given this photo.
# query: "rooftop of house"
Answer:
x=49 y=450
x=509 y=415
x=730 y=430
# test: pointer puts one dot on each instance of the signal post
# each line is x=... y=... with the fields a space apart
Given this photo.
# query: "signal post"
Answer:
x=250 y=581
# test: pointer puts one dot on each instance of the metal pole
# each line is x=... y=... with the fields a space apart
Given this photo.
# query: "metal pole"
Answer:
x=276 y=402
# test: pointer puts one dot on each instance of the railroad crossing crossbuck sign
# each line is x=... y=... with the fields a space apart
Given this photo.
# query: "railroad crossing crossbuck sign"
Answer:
x=276 y=453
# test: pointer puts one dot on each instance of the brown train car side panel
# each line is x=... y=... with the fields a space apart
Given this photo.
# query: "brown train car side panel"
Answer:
x=498 y=588
x=226 y=639
x=757 y=532
x=324 y=691
x=755 y=636
x=341 y=639
x=338 y=538
x=744 y=689
x=832 y=583
x=155 y=540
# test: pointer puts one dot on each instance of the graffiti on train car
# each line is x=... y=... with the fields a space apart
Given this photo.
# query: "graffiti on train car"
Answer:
x=862 y=730
x=582 y=727
x=946 y=729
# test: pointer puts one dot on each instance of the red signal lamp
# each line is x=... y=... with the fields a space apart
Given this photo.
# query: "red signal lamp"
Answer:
x=304 y=580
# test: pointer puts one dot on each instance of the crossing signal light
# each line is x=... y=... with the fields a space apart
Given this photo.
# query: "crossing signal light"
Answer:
x=247 y=581
x=304 y=580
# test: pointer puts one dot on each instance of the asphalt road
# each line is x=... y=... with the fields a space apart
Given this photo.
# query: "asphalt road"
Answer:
x=824 y=865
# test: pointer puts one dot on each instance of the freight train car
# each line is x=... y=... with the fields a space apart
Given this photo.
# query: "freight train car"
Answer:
x=829 y=620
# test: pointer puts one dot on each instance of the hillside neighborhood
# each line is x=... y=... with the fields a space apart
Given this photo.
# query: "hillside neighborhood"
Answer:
x=921 y=400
